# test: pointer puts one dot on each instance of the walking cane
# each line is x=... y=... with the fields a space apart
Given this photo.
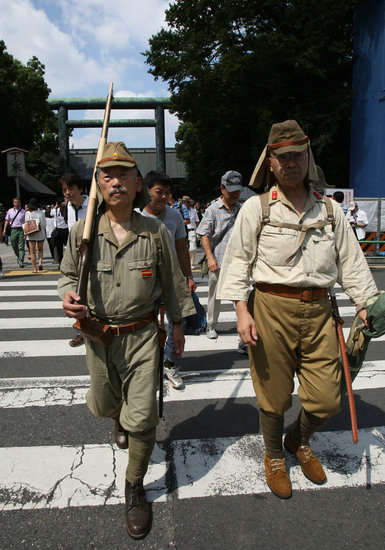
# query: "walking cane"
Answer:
x=345 y=363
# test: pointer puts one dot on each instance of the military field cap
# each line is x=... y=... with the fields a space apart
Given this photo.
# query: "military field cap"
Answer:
x=286 y=137
x=115 y=153
x=232 y=181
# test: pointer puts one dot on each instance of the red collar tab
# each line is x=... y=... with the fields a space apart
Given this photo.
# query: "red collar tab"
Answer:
x=316 y=194
x=274 y=195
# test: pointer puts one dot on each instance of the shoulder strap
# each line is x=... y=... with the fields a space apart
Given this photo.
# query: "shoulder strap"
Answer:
x=14 y=218
x=329 y=211
x=265 y=206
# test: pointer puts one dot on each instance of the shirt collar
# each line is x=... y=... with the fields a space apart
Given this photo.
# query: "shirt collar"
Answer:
x=138 y=227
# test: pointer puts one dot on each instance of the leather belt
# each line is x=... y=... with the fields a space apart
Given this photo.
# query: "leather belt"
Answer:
x=129 y=328
x=304 y=294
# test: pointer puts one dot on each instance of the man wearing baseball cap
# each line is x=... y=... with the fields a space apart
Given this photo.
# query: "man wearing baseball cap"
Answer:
x=215 y=230
x=133 y=266
x=294 y=245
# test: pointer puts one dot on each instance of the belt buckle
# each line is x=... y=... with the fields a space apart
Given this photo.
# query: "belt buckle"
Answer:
x=307 y=295
x=117 y=329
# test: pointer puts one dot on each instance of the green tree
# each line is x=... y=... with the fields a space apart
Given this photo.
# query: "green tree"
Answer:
x=235 y=66
x=26 y=118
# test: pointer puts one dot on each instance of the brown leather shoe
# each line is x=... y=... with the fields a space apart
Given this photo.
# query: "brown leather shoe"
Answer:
x=310 y=464
x=77 y=341
x=138 y=510
x=277 y=477
x=120 y=435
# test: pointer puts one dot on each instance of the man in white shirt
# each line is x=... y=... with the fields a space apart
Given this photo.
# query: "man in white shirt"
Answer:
x=357 y=219
x=159 y=186
x=191 y=227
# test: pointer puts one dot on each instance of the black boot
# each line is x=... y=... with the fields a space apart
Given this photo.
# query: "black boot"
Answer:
x=138 y=511
x=121 y=436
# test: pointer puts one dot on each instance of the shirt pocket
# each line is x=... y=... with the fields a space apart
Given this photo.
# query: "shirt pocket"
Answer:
x=277 y=244
x=141 y=277
x=100 y=283
x=322 y=247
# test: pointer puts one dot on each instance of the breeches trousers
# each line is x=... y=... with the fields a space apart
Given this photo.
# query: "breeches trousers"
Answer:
x=295 y=338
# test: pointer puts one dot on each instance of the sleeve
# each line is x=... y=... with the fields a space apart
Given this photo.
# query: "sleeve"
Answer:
x=185 y=212
x=180 y=232
x=206 y=227
x=241 y=252
x=353 y=271
x=68 y=267
x=176 y=297
x=8 y=216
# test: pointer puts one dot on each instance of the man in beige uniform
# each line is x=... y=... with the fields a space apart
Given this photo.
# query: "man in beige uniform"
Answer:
x=132 y=267
x=294 y=245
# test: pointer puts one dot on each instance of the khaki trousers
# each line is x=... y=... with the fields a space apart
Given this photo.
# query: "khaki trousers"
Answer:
x=124 y=379
x=295 y=338
x=213 y=305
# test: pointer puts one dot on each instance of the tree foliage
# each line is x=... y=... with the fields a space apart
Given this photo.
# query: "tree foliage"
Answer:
x=26 y=118
x=234 y=67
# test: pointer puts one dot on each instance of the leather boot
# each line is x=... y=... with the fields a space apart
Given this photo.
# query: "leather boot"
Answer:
x=310 y=464
x=121 y=436
x=138 y=511
x=277 y=477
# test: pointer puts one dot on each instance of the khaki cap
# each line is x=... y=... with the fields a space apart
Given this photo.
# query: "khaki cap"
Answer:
x=115 y=153
x=186 y=198
x=286 y=137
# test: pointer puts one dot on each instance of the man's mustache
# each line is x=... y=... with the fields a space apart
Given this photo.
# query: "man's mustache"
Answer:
x=119 y=189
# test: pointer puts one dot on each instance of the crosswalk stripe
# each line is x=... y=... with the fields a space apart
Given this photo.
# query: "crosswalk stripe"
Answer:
x=35 y=322
x=65 y=476
x=26 y=284
x=93 y=475
x=28 y=292
x=234 y=466
x=8 y=306
x=199 y=385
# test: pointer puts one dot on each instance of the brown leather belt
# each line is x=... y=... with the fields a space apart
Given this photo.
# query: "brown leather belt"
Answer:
x=303 y=294
x=129 y=328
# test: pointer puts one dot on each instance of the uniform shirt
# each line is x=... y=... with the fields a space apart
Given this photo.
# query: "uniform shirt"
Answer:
x=126 y=280
x=325 y=257
x=217 y=224
x=173 y=222
x=194 y=220
x=19 y=219
x=358 y=217
x=74 y=214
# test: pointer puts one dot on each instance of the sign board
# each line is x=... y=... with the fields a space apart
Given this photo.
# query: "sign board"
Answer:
x=15 y=163
x=348 y=195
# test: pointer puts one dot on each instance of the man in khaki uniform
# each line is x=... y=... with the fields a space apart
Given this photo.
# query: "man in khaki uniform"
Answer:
x=294 y=244
x=132 y=267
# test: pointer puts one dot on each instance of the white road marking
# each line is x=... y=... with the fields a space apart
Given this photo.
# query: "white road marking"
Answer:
x=93 y=475
x=28 y=292
x=35 y=322
x=234 y=465
x=25 y=284
x=220 y=384
x=7 y=306
x=65 y=476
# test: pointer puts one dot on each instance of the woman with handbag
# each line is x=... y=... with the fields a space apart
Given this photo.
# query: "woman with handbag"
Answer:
x=34 y=231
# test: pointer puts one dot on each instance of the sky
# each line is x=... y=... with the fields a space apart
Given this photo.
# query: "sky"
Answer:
x=85 y=45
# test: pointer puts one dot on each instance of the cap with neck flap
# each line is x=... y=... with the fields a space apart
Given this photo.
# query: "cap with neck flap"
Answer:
x=284 y=137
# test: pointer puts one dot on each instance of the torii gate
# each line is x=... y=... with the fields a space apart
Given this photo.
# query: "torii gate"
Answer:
x=63 y=105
